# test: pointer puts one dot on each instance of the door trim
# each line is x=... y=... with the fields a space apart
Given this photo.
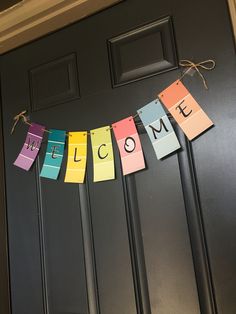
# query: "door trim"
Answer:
x=31 y=19
x=4 y=266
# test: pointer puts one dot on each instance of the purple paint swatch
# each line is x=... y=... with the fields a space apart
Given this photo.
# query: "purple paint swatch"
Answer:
x=31 y=147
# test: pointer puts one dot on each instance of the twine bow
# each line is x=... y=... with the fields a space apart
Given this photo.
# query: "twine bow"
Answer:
x=17 y=118
x=205 y=65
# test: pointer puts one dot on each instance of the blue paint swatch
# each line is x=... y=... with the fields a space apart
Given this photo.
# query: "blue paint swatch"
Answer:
x=54 y=154
x=159 y=129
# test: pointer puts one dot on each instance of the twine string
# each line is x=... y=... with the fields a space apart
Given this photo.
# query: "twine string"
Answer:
x=17 y=118
x=23 y=117
x=205 y=65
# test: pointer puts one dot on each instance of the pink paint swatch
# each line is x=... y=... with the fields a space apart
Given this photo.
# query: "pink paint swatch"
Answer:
x=31 y=147
x=129 y=145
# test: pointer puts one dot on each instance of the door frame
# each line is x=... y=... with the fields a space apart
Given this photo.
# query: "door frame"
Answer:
x=5 y=303
x=31 y=19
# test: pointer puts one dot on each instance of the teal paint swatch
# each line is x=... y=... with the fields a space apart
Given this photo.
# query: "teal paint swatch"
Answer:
x=54 y=154
x=159 y=129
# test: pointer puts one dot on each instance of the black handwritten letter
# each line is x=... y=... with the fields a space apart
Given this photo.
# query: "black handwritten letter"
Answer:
x=54 y=151
x=154 y=130
x=99 y=153
x=130 y=144
x=32 y=145
x=76 y=160
x=181 y=110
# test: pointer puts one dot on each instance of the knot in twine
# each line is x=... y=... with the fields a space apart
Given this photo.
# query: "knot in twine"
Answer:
x=17 y=118
x=205 y=65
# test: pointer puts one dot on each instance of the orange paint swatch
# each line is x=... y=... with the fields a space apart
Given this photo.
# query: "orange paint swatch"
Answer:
x=185 y=110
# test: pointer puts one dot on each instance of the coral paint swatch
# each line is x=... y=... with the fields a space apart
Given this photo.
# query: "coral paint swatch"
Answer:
x=185 y=110
x=54 y=154
x=103 y=159
x=77 y=157
x=31 y=147
x=129 y=144
x=159 y=129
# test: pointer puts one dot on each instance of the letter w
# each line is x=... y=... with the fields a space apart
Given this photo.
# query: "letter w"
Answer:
x=32 y=145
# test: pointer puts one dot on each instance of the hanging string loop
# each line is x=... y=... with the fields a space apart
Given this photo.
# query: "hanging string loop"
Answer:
x=204 y=65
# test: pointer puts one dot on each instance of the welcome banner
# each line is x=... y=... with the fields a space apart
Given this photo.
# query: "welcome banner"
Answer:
x=31 y=147
x=185 y=110
x=54 y=154
x=129 y=145
x=177 y=100
x=159 y=129
x=103 y=158
x=77 y=157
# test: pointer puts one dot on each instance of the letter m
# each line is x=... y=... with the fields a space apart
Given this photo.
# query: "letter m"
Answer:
x=155 y=131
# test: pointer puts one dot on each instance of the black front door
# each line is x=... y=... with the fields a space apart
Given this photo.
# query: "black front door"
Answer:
x=159 y=241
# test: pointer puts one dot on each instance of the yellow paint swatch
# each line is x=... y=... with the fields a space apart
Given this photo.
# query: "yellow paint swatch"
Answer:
x=77 y=157
x=103 y=159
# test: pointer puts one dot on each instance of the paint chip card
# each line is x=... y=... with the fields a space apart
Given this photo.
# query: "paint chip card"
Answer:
x=129 y=144
x=31 y=147
x=103 y=158
x=77 y=157
x=159 y=129
x=54 y=154
x=185 y=110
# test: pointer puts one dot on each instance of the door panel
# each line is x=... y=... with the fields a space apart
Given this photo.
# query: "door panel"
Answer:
x=111 y=244
x=159 y=241
x=163 y=220
x=62 y=248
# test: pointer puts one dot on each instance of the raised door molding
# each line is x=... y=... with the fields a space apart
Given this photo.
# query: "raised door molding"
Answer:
x=31 y=19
